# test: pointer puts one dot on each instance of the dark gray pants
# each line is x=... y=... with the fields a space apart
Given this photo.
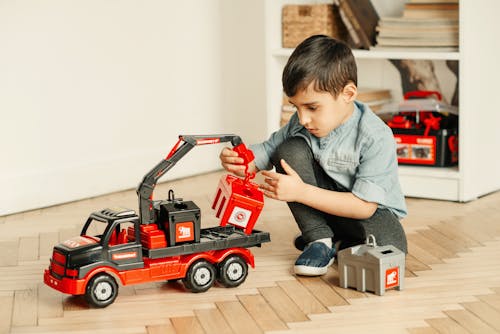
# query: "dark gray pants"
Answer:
x=315 y=224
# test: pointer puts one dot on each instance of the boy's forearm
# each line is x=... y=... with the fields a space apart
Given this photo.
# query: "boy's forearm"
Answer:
x=343 y=204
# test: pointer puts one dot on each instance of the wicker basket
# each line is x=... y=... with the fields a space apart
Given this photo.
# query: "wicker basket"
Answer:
x=302 y=21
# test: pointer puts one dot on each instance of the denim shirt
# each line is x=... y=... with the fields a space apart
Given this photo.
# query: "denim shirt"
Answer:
x=360 y=155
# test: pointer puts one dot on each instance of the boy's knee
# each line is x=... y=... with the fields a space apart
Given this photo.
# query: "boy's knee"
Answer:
x=292 y=150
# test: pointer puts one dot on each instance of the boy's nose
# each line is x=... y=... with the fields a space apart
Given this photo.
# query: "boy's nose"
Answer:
x=304 y=119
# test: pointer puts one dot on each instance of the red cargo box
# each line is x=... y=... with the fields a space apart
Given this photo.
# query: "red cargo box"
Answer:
x=238 y=203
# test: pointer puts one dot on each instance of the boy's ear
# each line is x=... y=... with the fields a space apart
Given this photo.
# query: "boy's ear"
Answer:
x=350 y=92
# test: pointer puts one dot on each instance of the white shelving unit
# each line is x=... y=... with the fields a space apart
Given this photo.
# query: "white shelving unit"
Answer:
x=478 y=172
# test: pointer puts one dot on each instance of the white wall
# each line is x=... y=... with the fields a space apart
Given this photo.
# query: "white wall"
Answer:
x=243 y=67
x=93 y=93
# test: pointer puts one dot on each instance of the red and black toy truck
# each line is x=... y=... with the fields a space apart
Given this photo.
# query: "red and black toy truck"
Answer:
x=164 y=242
x=425 y=130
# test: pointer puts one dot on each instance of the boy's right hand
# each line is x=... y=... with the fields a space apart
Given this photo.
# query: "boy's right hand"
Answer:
x=234 y=163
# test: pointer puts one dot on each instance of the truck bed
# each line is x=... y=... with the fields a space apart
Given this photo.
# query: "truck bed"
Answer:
x=213 y=238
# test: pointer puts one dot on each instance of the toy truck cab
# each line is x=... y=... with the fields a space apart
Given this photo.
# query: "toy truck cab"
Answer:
x=116 y=245
x=103 y=245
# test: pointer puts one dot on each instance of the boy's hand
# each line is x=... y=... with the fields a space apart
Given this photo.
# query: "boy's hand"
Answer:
x=233 y=163
x=284 y=187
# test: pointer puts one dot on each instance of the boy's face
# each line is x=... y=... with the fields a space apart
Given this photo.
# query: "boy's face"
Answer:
x=320 y=112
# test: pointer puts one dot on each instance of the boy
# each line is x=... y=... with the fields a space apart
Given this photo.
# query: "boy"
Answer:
x=335 y=160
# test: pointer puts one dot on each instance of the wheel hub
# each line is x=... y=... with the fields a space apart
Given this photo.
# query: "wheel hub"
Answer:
x=202 y=276
x=103 y=291
x=234 y=271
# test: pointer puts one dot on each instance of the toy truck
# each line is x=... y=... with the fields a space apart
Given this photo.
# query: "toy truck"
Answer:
x=164 y=242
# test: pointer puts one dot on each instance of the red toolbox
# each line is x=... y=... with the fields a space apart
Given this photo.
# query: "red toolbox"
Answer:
x=425 y=130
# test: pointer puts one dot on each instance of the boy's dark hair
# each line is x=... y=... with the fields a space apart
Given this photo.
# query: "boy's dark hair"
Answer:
x=322 y=59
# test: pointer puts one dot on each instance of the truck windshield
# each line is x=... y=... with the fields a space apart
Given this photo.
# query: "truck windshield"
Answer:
x=94 y=229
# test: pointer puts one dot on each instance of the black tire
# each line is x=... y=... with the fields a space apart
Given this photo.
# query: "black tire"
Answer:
x=101 y=290
x=232 y=271
x=200 y=276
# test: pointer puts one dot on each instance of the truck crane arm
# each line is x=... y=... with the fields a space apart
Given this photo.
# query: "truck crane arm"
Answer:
x=181 y=148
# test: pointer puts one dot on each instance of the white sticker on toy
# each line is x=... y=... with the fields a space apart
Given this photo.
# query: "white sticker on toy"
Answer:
x=240 y=216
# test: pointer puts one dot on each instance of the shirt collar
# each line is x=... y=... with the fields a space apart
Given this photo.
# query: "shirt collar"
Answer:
x=346 y=126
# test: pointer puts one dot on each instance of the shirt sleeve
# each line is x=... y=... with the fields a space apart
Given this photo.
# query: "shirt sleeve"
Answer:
x=378 y=169
x=265 y=150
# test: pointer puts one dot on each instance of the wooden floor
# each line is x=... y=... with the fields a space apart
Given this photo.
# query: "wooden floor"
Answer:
x=452 y=281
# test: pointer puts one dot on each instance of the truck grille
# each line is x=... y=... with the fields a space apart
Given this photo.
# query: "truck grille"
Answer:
x=56 y=256
x=58 y=263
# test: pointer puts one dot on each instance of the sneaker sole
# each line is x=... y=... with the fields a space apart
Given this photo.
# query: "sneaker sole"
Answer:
x=312 y=271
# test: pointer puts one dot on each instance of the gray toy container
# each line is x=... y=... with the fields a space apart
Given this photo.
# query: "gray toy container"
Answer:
x=372 y=268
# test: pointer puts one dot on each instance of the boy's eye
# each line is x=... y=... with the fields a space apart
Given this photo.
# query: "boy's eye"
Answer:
x=312 y=108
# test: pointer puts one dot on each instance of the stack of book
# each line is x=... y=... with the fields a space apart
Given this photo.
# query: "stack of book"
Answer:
x=360 y=18
x=424 y=23
x=375 y=98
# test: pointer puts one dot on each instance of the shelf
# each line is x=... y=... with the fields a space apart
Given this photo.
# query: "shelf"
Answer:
x=434 y=172
x=428 y=54
x=430 y=182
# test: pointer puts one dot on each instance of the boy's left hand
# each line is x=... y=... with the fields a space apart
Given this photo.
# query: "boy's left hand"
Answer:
x=284 y=187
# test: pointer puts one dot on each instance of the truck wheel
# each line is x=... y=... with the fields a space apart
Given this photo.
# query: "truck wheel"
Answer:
x=232 y=271
x=200 y=276
x=101 y=290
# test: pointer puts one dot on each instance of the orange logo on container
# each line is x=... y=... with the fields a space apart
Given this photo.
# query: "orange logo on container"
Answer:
x=391 y=277
x=184 y=231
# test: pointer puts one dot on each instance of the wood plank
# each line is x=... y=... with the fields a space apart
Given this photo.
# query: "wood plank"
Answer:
x=414 y=265
x=444 y=241
x=74 y=303
x=492 y=300
x=446 y=326
x=69 y=233
x=283 y=305
x=470 y=230
x=323 y=291
x=470 y=322
x=497 y=290
x=28 y=249
x=212 y=321
x=430 y=246
x=160 y=329
x=9 y=251
x=238 y=318
x=25 y=312
x=7 y=302
x=485 y=312
x=49 y=302
x=489 y=217
x=332 y=278
x=47 y=242
x=422 y=254
x=486 y=223
x=262 y=313
x=457 y=236
x=187 y=325
x=303 y=297
x=409 y=273
x=423 y=330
